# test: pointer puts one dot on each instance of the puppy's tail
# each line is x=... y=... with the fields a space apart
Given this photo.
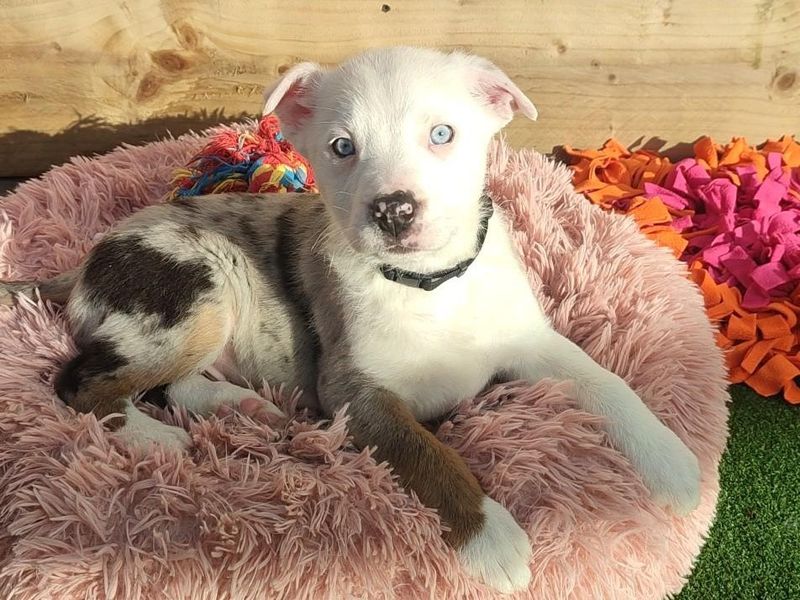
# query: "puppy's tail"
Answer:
x=56 y=289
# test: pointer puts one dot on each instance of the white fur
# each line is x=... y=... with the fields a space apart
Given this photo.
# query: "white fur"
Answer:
x=387 y=101
x=140 y=430
x=437 y=348
x=203 y=396
x=500 y=554
x=669 y=469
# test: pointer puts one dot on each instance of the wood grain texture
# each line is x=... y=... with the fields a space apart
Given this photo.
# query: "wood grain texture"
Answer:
x=79 y=77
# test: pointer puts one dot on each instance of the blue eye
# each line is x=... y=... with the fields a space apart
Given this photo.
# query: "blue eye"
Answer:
x=343 y=147
x=441 y=134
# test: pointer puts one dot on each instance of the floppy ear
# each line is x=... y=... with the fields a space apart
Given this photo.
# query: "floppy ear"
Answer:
x=291 y=98
x=499 y=94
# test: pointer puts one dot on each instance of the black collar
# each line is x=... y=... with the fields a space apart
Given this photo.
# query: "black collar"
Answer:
x=433 y=280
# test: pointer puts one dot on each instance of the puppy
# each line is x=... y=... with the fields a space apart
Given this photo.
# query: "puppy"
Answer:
x=395 y=293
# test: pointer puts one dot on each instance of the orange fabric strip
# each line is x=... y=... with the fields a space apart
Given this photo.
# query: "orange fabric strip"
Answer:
x=763 y=346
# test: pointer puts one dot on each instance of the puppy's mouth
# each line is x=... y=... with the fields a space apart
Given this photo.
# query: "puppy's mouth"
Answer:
x=401 y=249
x=371 y=241
x=413 y=247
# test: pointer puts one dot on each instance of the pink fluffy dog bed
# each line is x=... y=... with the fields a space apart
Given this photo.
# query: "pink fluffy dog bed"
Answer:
x=294 y=511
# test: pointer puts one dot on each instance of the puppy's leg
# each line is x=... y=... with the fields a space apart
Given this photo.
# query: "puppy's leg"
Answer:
x=490 y=544
x=100 y=380
x=130 y=354
x=668 y=468
x=204 y=397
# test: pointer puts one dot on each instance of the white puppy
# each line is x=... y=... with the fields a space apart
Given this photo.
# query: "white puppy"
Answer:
x=395 y=292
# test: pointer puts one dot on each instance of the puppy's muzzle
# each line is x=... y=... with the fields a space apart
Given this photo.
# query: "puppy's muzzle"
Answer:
x=394 y=213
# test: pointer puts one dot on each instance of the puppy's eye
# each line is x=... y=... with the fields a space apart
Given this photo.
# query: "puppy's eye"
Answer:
x=343 y=147
x=441 y=134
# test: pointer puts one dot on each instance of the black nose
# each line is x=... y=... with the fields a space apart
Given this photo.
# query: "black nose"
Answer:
x=395 y=212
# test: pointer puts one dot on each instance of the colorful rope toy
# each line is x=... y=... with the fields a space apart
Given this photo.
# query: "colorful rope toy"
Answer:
x=256 y=161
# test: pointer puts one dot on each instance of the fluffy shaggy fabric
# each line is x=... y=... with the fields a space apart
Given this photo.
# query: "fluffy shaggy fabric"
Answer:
x=294 y=511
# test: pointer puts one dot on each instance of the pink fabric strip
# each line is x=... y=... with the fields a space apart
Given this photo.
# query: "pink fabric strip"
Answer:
x=754 y=239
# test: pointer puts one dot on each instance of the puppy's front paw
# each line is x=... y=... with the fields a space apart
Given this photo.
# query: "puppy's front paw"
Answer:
x=254 y=407
x=142 y=431
x=500 y=554
x=670 y=471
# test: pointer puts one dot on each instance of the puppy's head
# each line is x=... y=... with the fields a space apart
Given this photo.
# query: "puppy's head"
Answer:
x=398 y=139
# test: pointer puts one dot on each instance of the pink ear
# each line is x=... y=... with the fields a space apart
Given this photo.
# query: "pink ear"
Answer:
x=501 y=94
x=290 y=96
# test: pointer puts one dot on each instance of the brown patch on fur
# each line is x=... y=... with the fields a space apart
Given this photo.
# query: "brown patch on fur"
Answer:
x=104 y=397
x=205 y=337
x=107 y=393
x=435 y=472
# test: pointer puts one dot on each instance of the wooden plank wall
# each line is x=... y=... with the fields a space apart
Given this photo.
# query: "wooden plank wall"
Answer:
x=81 y=76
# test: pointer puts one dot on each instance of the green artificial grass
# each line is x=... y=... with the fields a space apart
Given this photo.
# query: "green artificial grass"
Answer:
x=753 y=549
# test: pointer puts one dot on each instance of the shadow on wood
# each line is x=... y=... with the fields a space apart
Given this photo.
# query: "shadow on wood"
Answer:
x=674 y=152
x=26 y=153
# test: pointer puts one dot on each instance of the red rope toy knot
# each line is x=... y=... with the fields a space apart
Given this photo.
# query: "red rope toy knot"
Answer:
x=255 y=161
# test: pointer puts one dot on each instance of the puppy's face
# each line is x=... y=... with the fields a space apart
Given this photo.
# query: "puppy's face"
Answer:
x=398 y=140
